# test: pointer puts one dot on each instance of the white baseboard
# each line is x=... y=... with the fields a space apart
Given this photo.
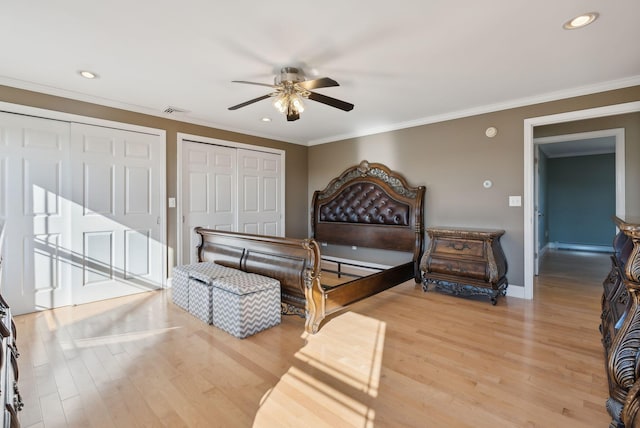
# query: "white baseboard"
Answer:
x=543 y=250
x=515 y=291
x=580 y=247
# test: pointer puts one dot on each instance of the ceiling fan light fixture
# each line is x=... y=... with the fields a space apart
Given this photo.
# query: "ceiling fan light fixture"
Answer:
x=280 y=104
x=289 y=103
x=295 y=103
x=289 y=90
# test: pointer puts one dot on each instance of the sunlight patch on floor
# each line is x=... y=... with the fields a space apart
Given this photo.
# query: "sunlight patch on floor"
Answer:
x=334 y=379
x=113 y=339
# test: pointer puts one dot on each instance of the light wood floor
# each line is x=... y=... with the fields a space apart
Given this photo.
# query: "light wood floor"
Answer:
x=403 y=358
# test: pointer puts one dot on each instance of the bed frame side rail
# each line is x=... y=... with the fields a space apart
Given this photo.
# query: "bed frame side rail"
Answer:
x=353 y=291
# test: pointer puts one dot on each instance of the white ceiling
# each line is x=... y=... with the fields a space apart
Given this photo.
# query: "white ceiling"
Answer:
x=402 y=63
x=581 y=147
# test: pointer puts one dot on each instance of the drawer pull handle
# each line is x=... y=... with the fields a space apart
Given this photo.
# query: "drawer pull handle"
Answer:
x=459 y=246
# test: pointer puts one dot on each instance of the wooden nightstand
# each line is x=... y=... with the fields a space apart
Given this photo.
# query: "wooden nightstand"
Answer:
x=465 y=262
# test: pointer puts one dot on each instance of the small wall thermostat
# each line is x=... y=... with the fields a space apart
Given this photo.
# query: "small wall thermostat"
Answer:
x=487 y=184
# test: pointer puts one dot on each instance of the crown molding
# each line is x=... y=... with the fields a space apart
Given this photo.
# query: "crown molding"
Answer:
x=78 y=96
x=490 y=108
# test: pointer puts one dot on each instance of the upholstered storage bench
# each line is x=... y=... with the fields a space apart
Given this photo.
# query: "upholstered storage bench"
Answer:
x=242 y=304
x=181 y=274
x=180 y=286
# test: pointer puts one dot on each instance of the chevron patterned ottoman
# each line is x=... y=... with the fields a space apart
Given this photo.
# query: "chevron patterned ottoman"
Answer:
x=200 y=298
x=245 y=304
x=180 y=286
x=181 y=274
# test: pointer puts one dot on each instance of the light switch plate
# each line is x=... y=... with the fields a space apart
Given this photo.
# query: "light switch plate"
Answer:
x=172 y=202
x=515 y=201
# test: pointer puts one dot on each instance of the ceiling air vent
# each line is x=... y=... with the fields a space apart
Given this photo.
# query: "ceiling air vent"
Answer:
x=172 y=110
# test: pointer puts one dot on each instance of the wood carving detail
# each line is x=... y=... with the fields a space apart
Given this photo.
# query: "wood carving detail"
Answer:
x=606 y=340
x=633 y=264
x=622 y=365
x=458 y=289
x=363 y=170
x=288 y=309
x=620 y=327
x=631 y=407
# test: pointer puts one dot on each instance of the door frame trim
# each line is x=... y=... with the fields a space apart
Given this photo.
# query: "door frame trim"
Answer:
x=528 y=209
x=181 y=138
x=75 y=118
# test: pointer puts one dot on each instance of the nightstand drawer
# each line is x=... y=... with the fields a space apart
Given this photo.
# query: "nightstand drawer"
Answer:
x=459 y=247
x=468 y=269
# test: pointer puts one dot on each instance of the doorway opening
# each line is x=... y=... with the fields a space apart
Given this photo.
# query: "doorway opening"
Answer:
x=530 y=216
x=578 y=185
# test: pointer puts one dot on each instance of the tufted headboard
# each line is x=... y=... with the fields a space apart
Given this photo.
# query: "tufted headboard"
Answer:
x=369 y=205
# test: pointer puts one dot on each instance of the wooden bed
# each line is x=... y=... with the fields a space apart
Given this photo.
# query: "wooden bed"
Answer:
x=368 y=205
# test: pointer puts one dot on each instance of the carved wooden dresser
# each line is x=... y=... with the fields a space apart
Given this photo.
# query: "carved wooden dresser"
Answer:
x=620 y=325
x=10 y=398
x=465 y=262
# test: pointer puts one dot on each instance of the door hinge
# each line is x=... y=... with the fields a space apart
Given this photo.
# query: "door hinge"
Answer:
x=158 y=220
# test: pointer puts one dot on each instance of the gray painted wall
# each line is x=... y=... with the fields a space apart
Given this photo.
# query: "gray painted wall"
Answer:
x=453 y=158
x=582 y=199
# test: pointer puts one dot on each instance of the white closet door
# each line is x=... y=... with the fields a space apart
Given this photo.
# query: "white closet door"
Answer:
x=117 y=218
x=259 y=194
x=208 y=192
x=35 y=197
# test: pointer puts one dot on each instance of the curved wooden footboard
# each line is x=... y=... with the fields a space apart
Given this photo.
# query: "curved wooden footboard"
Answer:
x=293 y=262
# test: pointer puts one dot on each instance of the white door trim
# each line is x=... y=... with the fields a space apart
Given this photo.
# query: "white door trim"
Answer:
x=74 y=118
x=528 y=215
x=181 y=137
x=536 y=208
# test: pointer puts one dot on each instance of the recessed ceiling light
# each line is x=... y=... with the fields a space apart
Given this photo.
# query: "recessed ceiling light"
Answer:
x=581 y=21
x=266 y=119
x=87 y=74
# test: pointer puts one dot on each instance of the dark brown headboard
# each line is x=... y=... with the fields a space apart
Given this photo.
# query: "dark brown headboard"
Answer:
x=369 y=205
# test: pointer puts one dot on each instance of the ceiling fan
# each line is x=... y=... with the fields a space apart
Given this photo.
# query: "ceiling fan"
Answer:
x=291 y=88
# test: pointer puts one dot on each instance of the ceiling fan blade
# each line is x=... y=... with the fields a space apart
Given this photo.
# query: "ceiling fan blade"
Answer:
x=323 y=82
x=246 y=103
x=293 y=116
x=254 y=83
x=333 y=102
